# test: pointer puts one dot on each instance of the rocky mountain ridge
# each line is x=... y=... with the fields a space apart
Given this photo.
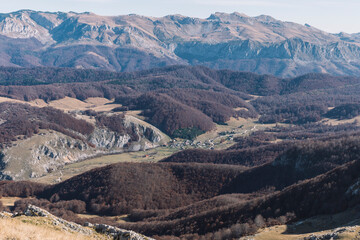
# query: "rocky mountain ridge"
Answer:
x=259 y=44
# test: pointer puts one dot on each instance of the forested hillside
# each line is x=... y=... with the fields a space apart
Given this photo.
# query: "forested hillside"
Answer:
x=249 y=150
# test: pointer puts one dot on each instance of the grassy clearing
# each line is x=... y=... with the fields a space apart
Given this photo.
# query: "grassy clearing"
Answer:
x=71 y=104
x=9 y=201
x=318 y=225
x=136 y=114
x=5 y=99
x=336 y=122
x=280 y=233
x=35 y=228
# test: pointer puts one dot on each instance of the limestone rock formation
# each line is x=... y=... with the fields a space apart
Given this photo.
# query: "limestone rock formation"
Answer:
x=119 y=234
x=115 y=233
x=33 y=211
x=48 y=151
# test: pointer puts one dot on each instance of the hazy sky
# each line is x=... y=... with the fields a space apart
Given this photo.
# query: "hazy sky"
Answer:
x=329 y=15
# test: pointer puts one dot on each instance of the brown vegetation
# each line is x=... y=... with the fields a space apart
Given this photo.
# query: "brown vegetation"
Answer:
x=48 y=75
x=218 y=106
x=119 y=188
x=24 y=120
x=324 y=194
x=213 y=200
x=168 y=114
x=345 y=111
x=20 y=189
x=259 y=147
x=270 y=177
x=248 y=157
x=195 y=91
x=304 y=107
x=177 y=199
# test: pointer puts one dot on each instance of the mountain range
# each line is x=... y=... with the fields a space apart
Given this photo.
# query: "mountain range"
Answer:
x=233 y=41
x=230 y=127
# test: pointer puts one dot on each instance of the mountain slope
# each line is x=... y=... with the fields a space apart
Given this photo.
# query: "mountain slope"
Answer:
x=125 y=43
x=121 y=187
x=35 y=141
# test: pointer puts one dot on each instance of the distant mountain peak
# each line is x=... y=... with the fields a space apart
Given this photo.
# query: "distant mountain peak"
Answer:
x=221 y=16
x=266 y=18
x=260 y=44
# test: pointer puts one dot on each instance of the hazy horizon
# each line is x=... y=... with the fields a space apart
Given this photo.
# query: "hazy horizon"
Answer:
x=332 y=15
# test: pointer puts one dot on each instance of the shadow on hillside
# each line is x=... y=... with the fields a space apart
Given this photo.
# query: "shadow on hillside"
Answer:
x=350 y=217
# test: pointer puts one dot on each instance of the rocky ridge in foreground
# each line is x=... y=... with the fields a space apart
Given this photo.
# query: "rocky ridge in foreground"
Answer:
x=108 y=232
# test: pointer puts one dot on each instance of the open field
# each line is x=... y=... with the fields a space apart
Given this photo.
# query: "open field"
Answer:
x=279 y=233
x=70 y=104
x=9 y=201
x=338 y=122
x=5 y=99
x=38 y=228
x=135 y=113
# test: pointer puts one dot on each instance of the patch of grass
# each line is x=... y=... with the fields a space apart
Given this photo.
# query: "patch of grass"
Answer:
x=9 y=201
x=318 y=225
x=38 y=229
